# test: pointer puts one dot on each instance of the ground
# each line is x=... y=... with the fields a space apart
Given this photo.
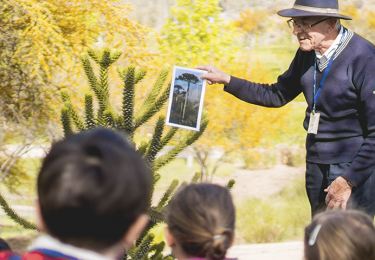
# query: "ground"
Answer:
x=261 y=183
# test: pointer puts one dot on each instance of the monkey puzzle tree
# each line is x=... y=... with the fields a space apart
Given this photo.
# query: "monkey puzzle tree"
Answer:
x=128 y=120
x=189 y=78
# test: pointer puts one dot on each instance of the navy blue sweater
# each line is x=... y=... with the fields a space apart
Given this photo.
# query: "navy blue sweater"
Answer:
x=347 y=104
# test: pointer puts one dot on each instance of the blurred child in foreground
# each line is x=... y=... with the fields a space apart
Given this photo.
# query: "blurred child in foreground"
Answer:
x=200 y=219
x=340 y=235
x=92 y=198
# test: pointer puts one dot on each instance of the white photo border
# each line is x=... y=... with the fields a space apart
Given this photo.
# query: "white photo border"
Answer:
x=201 y=100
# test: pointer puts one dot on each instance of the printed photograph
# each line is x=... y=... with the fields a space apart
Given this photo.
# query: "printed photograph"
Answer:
x=186 y=98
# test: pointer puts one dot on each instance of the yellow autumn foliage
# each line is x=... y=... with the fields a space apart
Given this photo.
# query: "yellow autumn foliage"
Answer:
x=363 y=22
x=57 y=31
x=253 y=21
x=52 y=34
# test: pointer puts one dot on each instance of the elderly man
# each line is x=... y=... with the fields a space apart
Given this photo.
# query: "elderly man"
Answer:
x=335 y=70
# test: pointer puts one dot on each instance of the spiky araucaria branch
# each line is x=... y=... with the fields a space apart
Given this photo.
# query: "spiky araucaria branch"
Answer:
x=73 y=113
x=13 y=215
x=154 y=93
x=154 y=146
x=89 y=112
x=137 y=253
x=128 y=101
x=65 y=120
x=167 y=195
x=183 y=143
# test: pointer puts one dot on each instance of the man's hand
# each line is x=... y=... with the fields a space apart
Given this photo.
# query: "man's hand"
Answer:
x=214 y=75
x=338 y=194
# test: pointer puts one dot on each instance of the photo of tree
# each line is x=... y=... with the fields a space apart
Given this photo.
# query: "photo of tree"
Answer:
x=186 y=98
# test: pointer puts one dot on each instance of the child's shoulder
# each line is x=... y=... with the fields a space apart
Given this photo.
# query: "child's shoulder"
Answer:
x=40 y=254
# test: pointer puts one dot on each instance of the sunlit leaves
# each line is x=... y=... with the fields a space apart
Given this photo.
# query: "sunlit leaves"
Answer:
x=196 y=31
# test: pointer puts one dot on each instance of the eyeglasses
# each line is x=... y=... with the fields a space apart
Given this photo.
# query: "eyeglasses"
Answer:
x=304 y=27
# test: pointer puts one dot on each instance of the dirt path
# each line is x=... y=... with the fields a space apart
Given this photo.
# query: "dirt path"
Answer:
x=261 y=183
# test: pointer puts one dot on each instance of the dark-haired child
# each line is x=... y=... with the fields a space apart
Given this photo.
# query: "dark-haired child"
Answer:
x=4 y=245
x=200 y=219
x=92 y=198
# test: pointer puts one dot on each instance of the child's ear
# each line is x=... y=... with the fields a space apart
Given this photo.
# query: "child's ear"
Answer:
x=39 y=218
x=169 y=238
x=135 y=230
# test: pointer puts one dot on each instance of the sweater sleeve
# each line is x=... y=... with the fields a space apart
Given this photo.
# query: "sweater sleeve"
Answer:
x=364 y=162
x=269 y=95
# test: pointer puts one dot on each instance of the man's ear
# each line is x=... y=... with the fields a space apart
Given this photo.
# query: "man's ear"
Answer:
x=169 y=238
x=135 y=230
x=332 y=24
x=39 y=218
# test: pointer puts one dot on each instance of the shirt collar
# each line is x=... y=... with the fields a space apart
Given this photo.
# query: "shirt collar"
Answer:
x=331 y=50
x=48 y=242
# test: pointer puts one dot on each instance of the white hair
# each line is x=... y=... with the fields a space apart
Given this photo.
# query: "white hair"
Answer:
x=338 y=24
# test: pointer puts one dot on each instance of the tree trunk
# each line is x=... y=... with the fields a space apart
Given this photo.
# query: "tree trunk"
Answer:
x=186 y=97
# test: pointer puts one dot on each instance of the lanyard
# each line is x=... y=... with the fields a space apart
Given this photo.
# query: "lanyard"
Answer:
x=316 y=94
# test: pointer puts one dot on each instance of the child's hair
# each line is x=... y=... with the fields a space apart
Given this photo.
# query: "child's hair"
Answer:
x=201 y=217
x=344 y=235
x=92 y=187
x=4 y=245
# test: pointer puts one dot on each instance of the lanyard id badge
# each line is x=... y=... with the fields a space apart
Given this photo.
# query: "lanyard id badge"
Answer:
x=314 y=117
x=314 y=123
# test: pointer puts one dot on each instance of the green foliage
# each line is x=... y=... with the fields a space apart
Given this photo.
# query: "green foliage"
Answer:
x=196 y=30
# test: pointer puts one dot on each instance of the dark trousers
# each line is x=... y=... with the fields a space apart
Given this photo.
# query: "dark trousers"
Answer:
x=320 y=176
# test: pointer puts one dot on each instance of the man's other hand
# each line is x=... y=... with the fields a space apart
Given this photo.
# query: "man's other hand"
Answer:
x=338 y=194
x=214 y=75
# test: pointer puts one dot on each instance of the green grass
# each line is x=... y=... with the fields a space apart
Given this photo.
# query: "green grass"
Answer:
x=275 y=219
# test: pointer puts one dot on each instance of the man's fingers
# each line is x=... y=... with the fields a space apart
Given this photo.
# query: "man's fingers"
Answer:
x=343 y=206
x=336 y=206
x=209 y=68
x=333 y=205
x=328 y=198
x=209 y=82
x=327 y=189
x=202 y=67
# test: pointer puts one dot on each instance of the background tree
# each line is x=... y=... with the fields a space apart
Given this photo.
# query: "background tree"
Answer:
x=40 y=47
x=253 y=23
x=42 y=40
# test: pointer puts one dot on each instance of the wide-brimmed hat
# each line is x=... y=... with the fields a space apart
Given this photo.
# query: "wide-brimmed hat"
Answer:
x=328 y=8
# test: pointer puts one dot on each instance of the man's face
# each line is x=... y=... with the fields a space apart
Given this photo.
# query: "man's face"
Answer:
x=310 y=38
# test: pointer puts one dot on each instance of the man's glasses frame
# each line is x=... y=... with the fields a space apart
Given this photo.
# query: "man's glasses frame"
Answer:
x=293 y=24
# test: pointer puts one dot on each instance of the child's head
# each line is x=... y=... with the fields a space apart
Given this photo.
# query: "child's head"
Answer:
x=4 y=245
x=344 y=235
x=92 y=187
x=200 y=219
